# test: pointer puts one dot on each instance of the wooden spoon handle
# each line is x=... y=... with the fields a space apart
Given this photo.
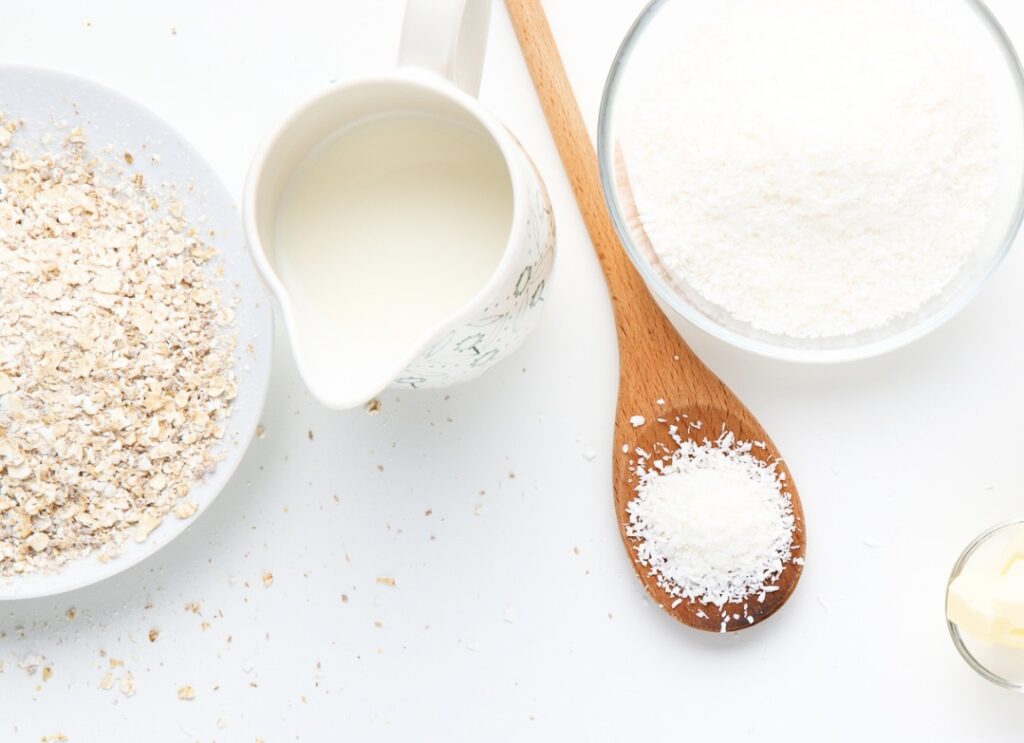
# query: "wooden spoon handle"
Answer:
x=573 y=141
x=638 y=319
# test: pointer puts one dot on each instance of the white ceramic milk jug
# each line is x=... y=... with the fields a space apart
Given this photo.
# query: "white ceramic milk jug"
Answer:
x=405 y=234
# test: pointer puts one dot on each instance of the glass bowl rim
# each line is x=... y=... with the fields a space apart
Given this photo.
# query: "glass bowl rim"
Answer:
x=680 y=306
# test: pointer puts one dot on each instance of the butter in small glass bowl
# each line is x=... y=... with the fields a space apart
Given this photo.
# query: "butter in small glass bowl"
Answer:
x=985 y=605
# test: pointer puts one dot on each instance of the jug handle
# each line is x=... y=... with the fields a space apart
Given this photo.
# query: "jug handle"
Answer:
x=448 y=37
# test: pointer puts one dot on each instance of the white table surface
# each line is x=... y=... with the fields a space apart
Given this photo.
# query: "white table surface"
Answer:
x=515 y=615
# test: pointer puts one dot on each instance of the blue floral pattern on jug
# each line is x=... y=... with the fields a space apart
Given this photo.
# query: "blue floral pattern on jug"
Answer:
x=473 y=346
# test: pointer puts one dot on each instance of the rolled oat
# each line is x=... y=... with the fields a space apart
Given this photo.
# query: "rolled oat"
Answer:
x=116 y=356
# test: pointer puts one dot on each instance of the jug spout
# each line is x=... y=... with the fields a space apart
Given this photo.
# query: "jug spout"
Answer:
x=342 y=373
x=337 y=396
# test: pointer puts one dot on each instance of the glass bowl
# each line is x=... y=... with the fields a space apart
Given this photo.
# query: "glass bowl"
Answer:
x=1002 y=666
x=971 y=20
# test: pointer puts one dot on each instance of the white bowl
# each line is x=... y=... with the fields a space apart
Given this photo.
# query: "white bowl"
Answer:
x=50 y=100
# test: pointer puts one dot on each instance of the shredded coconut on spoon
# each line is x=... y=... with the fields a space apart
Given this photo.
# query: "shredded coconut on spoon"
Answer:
x=713 y=522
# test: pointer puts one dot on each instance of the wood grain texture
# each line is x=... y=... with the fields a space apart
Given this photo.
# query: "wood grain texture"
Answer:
x=655 y=362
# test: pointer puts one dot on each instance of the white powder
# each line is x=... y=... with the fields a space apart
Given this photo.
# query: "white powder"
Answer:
x=814 y=167
x=713 y=524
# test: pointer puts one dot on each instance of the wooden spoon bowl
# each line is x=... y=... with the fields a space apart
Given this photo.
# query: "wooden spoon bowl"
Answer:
x=653 y=436
x=654 y=361
x=658 y=365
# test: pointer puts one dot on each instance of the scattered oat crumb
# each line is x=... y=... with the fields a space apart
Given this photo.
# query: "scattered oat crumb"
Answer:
x=107 y=682
x=373 y=407
x=344 y=598
x=47 y=673
x=186 y=693
x=261 y=431
x=378 y=624
x=194 y=607
x=30 y=664
x=127 y=684
x=70 y=613
x=128 y=158
x=154 y=634
x=268 y=578
x=116 y=663
x=386 y=581
x=309 y=434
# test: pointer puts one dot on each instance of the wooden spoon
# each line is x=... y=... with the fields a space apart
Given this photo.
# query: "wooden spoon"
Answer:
x=655 y=363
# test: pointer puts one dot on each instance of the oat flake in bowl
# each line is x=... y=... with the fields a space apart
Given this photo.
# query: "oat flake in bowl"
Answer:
x=115 y=373
x=116 y=355
x=137 y=156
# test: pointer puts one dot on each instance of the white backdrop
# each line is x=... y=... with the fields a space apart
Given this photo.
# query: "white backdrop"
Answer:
x=515 y=614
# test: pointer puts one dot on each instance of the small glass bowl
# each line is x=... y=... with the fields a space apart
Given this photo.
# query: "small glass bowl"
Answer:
x=1002 y=666
x=968 y=18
